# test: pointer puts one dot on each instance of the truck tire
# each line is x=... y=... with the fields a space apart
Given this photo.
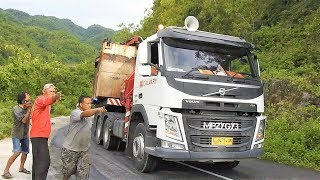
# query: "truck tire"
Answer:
x=121 y=145
x=226 y=165
x=98 y=131
x=109 y=142
x=143 y=162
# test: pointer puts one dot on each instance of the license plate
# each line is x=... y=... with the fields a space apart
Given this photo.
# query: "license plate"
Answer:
x=221 y=141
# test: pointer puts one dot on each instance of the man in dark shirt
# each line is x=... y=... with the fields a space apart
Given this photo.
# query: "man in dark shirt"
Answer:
x=21 y=114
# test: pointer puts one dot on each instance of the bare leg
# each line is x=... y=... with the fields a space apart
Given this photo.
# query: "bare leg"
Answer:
x=23 y=160
x=10 y=161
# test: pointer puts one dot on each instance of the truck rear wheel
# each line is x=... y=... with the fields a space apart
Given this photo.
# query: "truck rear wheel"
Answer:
x=109 y=142
x=143 y=162
x=226 y=165
x=98 y=132
x=121 y=145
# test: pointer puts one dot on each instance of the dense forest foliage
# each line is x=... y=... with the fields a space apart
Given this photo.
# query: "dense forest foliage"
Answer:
x=92 y=35
x=285 y=32
x=48 y=45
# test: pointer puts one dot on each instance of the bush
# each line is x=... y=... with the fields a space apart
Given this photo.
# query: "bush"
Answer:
x=293 y=135
x=6 y=119
x=60 y=109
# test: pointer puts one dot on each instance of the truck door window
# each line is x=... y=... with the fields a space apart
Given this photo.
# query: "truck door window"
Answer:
x=154 y=59
x=154 y=54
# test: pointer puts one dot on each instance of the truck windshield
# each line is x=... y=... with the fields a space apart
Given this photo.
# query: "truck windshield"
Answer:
x=206 y=58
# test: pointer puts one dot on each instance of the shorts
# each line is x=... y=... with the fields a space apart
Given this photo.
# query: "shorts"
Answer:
x=20 y=145
x=75 y=162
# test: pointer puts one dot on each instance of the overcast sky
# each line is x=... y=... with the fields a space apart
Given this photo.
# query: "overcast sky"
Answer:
x=108 y=13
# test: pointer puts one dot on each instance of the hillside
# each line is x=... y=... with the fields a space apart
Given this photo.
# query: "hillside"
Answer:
x=36 y=49
x=49 y=45
x=92 y=35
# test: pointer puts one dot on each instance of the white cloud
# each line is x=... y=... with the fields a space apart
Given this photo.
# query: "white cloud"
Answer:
x=108 y=13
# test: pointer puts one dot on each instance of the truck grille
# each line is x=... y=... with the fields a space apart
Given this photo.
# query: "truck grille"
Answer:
x=201 y=129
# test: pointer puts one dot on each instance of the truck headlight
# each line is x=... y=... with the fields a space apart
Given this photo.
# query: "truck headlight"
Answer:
x=261 y=128
x=172 y=128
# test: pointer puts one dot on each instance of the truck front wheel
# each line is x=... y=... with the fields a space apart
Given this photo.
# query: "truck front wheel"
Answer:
x=143 y=162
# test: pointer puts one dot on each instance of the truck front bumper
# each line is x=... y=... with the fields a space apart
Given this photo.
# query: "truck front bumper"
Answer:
x=184 y=155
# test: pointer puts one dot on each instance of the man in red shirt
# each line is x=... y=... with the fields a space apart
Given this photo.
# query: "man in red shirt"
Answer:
x=40 y=131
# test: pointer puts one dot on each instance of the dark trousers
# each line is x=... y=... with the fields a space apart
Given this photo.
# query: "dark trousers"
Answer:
x=41 y=158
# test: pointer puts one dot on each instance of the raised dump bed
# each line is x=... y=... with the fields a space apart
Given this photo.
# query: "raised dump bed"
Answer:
x=113 y=66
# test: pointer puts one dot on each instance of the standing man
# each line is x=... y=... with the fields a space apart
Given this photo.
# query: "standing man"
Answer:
x=20 y=131
x=40 y=131
x=75 y=151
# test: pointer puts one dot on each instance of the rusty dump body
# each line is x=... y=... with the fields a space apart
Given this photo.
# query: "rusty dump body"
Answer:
x=113 y=67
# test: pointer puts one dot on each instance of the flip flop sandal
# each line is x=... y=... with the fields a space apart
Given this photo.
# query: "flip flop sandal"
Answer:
x=25 y=171
x=7 y=175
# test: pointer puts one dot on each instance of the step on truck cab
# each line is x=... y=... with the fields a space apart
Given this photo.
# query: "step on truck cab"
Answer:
x=180 y=95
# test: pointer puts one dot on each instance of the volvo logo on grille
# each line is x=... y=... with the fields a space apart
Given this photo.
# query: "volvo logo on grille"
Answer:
x=221 y=125
x=222 y=91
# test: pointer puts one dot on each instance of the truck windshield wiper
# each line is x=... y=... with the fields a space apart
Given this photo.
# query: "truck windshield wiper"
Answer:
x=200 y=76
x=191 y=70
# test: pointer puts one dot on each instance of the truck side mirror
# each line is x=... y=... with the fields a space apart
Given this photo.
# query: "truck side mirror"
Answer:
x=144 y=70
x=144 y=53
x=256 y=64
x=258 y=67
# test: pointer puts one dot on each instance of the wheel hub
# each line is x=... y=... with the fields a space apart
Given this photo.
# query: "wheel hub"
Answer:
x=138 y=147
x=106 y=135
x=98 y=130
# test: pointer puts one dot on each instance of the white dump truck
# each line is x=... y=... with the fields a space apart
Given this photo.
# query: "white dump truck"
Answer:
x=180 y=95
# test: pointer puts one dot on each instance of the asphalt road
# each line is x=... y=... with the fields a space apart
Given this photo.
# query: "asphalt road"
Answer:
x=115 y=165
